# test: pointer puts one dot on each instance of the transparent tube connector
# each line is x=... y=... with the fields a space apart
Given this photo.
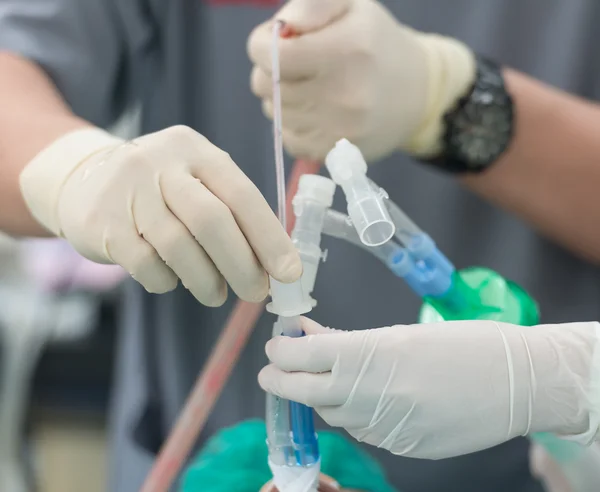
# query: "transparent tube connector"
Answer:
x=366 y=206
x=312 y=200
x=406 y=229
x=288 y=299
x=339 y=225
x=279 y=439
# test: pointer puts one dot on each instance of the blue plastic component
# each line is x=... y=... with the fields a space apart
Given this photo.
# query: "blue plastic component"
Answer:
x=423 y=248
x=305 y=440
x=304 y=436
x=423 y=267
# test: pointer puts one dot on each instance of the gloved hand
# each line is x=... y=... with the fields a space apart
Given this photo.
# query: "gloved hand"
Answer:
x=166 y=206
x=356 y=72
x=446 y=389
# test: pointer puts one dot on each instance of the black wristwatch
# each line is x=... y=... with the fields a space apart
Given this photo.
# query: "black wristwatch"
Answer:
x=480 y=128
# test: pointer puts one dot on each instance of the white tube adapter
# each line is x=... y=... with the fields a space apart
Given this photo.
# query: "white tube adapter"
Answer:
x=288 y=300
x=312 y=200
x=366 y=206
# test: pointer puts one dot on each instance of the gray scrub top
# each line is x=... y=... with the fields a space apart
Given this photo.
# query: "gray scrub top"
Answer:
x=185 y=60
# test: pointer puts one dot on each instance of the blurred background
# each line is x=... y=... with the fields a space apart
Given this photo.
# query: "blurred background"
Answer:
x=58 y=323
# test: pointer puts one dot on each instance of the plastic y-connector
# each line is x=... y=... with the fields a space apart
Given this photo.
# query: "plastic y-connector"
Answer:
x=312 y=200
x=423 y=267
x=366 y=206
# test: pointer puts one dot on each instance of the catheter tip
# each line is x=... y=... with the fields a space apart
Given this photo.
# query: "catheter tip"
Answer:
x=285 y=30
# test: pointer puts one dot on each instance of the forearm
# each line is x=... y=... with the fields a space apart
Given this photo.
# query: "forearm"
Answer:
x=550 y=176
x=33 y=116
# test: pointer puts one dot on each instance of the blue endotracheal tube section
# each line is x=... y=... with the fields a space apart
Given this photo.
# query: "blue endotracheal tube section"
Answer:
x=291 y=434
x=304 y=436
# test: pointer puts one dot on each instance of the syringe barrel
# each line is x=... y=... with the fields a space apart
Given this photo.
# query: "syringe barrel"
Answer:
x=314 y=197
x=366 y=206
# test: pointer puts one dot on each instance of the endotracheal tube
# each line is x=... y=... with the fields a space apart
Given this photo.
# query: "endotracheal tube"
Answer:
x=293 y=446
x=291 y=434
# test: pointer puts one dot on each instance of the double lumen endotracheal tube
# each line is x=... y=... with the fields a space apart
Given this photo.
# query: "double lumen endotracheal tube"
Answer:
x=292 y=440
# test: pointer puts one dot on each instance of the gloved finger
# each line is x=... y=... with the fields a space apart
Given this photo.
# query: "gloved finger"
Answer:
x=311 y=144
x=261 y=84
x=299 y=145
x=267 y=108
x=212 y=224
x=311 y=327
x=312 y=353
x=337 y=416
x=260 y=46
x=306 y=16
x=254 y=216
x=179 y=250
x=306 y=55
x=310 y=389
x=127 y=249
x=293 y=94
x=299 y=120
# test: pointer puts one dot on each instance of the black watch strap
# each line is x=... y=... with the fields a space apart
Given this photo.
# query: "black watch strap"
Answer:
x=481 y=126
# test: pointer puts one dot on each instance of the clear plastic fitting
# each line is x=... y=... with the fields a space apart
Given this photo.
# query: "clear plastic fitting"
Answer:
x=366 y=206
x=288 y=299
x=313 y=199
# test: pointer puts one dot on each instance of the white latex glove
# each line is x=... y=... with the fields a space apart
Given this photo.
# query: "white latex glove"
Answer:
x=166 y=206
x=445 y=389
x=356 y=72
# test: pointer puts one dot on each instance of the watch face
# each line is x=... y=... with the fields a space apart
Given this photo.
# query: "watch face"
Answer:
x=481 y=130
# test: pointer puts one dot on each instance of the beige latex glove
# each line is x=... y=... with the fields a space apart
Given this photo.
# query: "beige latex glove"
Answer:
x=445 y=389
x=356 y=72
x=167 y=206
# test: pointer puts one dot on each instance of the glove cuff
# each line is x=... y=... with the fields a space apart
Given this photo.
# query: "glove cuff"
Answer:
x=593 y=398
x=452 y=70
x=42 y=179
x=567 y=380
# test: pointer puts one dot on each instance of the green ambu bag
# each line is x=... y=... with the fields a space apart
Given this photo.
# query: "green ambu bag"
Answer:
x=236 y=460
